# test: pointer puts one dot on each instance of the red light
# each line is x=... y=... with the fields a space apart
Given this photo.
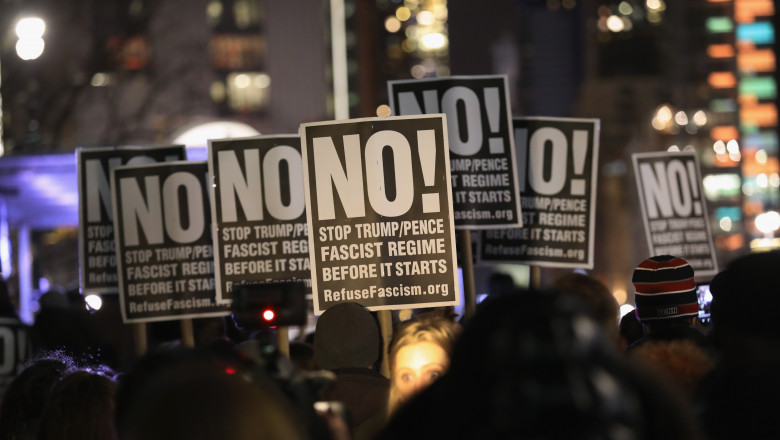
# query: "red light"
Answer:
x=230 y=370
x=269 y=315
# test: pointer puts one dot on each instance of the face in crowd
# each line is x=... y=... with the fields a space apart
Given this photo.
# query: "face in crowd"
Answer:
x=417 y=366
x=419 y=354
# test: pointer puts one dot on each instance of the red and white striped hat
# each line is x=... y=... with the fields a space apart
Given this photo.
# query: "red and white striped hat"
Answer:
x=665 y=288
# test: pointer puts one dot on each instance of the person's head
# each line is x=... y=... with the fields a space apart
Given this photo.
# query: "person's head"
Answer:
x=419 y=354
x=597 y=300
x=665 y=293
x=81 y=406
x=745 y=300
x=533 y=365
x=193 y=393
x=346 y=336
x=24 y=400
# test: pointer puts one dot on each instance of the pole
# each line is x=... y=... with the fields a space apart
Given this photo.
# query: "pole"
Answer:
x=385 y=318
x=467 y=266
x=535 y=277
x=187 y=333
x=283 y=341
x=139 y=331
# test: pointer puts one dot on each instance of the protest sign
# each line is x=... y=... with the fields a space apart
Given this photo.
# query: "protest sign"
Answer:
x=163 y=242
x=260 y=232
x=557 y=163
x=14 y=349
x=673 y=208
x=97 y=254
x=379 y=209
x=482 y=153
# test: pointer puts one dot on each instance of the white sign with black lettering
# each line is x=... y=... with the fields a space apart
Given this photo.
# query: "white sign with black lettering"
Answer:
x=379 y=209
x=557 y=160
x=163 y=242
x=260 y=232
x=97 y=253
x=674 y=209
x=482 y=151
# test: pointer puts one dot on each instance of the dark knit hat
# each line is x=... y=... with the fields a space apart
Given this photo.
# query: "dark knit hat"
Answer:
x=346 y=336
x=665 y=289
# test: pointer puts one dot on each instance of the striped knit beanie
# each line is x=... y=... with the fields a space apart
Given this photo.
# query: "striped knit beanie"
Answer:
x=665 y=288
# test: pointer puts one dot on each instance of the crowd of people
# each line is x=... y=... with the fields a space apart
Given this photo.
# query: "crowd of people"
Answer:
x=553 y=362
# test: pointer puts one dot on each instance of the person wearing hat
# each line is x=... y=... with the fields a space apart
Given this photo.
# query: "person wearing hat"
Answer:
x=347 y=342
x=666 y=300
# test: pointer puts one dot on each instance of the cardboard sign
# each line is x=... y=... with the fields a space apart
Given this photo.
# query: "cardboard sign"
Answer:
x=482 y=153
x=260 y=232
x=163 y=242
x=557 y=159
x=97 y=253
x=379 y=209
x=674 y=209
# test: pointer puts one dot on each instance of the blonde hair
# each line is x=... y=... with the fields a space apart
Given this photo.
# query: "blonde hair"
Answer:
x=433 y=327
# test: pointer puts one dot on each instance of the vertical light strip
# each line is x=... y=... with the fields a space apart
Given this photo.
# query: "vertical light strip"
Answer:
x=338 y=43
x=5 y=241
x=25 y=273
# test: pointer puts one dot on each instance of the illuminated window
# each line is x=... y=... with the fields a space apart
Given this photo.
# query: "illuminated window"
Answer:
x=759 y=33
x=761 y=87
x=722 y=80
x=719 y=25
x=720 y=51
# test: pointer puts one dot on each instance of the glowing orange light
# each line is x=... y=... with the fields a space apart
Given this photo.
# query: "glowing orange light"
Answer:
x=269 y=315
x=756 y=61
x=724 y=133
x=722 y=80
x=720 y=51
x=763 y=115
x=747 y=11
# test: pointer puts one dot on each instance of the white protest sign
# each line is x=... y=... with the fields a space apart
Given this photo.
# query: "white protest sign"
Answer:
x=557 y=163
x=97 y=254
x=260 y=232
x=674 y=210
x=482 y=153
x=163 y=242
x=379 y=209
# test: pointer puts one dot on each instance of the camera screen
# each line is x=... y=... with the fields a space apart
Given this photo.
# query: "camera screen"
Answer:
x=705 y=298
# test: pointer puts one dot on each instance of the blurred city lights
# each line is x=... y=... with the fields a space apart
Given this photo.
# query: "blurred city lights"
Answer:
x=681 y=118
x=762 y=180
x=433 y=41
x=93 y=302
x=615 y=24
x=732 y=146
x=262 y=81
x=31 y=27
x=761 y=156
x=626 y=309
x=425 y=18
x=242 y=81
x=725 y=224
x=403 y=13
x=700 y=118
x=620 y=295
x=719 y=147
x=30 y=32
x=768 y=222
x=625 y=8
x=392 y=24
x=383 y=111
x=673 y=149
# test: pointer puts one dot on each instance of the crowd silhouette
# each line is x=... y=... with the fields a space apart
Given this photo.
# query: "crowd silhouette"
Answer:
x=547 y=362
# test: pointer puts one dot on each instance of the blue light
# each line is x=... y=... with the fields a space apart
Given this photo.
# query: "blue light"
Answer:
x=759 y=33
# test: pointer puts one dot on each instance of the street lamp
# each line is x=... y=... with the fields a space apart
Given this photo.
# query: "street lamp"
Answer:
x=30 y=32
